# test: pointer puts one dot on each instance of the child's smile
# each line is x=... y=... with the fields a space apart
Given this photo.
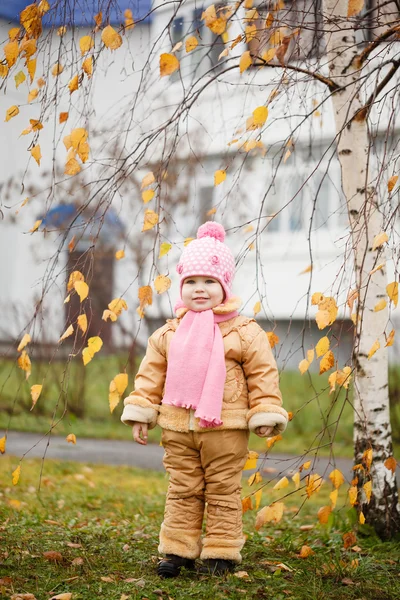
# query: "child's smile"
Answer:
x=202 y=293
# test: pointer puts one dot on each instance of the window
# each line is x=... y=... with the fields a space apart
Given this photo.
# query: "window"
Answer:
x=206 y=55
x=176 y=36
x=374 y=19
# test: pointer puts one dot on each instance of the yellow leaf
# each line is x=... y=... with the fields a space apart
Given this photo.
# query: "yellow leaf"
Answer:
x=13 y=33
x=3 y=444
x=306 y=551
x=323 y=514
x=30 y=18
x=71 y=438
x=390 y=463
x=361 y=518
x=150 y=220
x=392 y=290
x=36 y=153
x=24 y=363
x=272 y=338
x=61 y=30
x=73 y=84
x=113 y=397
x=16 y=474
x=322 y=346
x=25 y=340
x=257 y=308
x=314 y=483
x=277 y=36
x=187 y=241
x=33 y=94
x=13 y=111
x=251 y=462
x=164 y=249
x=82 y=322
x=367 y=458
x=82 y=289
x=354 y=7
x=282 y=483
x=379 y=240
x=392 y=182
x=147 y=180
x=98 y=19
x=219 y=177
x=57 y=70
x=343 y=377
x=352 y=495
x=269 y=55
x=260 y=115
x=332 y=379
x=258 y=496
x=147 y=195
x=245 y=61
x=305 y=465
x=271 y=441
x=31 y=66
x=69 y=331
x=310 y=355
x=63 y=117
x=375 y=346
x=4 y=70
x=109 y=314
x=162 y=284
x=191 y=43
x=145 y=295
x=211 y=212
x=380 y=305
x=296 y=480
x=390 y=338
x=168 y=64
x=120 y=254
x=333 y=497
x=44 y=7
x=247 y=504
x=351 y=298
x=327 y=312
x=303 y=366
x=74 y=276
x=86 y=356
x=129 y=22
x=86 y=43
x=121 y=382
x=367 y=487
x=269 y=513
x=19 y=78
x=316 y=298
x=72 y=167
x=87 y=66
x=36 y=390
x=117 y=306
x=327 y=362
x=111 y=38
x=337 y=478
x=11 y=51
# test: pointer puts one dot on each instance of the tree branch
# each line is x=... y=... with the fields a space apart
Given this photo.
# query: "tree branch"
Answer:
x=331 y=84
x=363 y=112
x=381 y=38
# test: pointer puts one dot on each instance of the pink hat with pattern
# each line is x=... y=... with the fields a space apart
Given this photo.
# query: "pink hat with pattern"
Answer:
x=208 y=256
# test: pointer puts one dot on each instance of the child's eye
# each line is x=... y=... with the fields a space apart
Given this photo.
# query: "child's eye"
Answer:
x=210 y=281
x=189 y=281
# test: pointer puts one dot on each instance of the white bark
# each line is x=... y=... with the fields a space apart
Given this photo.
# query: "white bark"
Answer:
x=371 y=399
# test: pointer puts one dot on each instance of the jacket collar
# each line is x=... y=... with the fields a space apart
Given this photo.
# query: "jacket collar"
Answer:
x=231 y=305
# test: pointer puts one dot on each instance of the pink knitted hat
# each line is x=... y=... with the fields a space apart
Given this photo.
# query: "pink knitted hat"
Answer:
x=208 y=256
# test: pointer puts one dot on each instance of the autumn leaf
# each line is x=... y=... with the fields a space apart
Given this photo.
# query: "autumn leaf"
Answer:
x=113 y=396
x=191 y=43
x=129 y=21
x=282 y=483
x=72 y=167
x=390 y=463
x=63 y=116
x=165 y=247
x=71 y=438
x=296 y=480
x=327 y=312
x=86 y=43
x=82 y=289
x=117 y=306
x=16 y=474
x=121 y=382
x=260 y=115
x=354 y=7
x=367 y=487
x=11 y=51
x=269 y=513
x=367 y=458
x=322 y=346
x=245 y=61
x=147 y=180
x=269 y=55
x=87 y=66
x=168 y=64
x=272 y=338
x=25 y=340
x=24 y=363
x=314 y=483
x=273 y=440
x=327 y=362
x=349 y=539
x=392 y=290
x=305 y=551
x=30 y=18
x=36 y=153
x=251 y=462
x=353 y=495
x=258 y=496
x=94 y=345
x=3 y=441
x=57 y=70
x=323 y=514
x=333 y=496
x=351 y=298
x=145 y=295
x=74 y=276
x=13 y=111
x=316 y=298
x=43 y=7
x=380 y=305
x=257 y=308
x=111 y=38
x=162 y=284
x=82 y=322
x=69 y=331
x=187 y=241
x=36 y=390
x=247 y=504
x=390 y=338
x=303 y=366
x=33 y=94
x=73 y=84
x=379 y=240
x=219 y=177
x=147 y=195
x=337 y=478
x=19 y=78
x=375 y=346
x=310 y=355
x=4 y=70
x=150 y=220
x=53 y=556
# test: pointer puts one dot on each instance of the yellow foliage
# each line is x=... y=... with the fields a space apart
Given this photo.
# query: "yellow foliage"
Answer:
x=63 y=116
x=24 y=363
x=247 y=504
x=3 y=444
x=120 y=254
x=94 y=345
x=109 y=314
x=19 y=78
x=269 y=54
x=323 y=514
x=145 y=295
x=310 y=355
x=33 y=94
x=354 y=7
x=150 y=220
x=303 y=366
x=162 y=284
x=375 y=346
x=16 y=474
x=380 y=305
x=379 y=240
x=86 y=43
x=36 y=153
x=337 y=478
x=322 y=346
x=147 y=195
x=87 y=66
x=111 y=38
x=82 y=322
x=30 y=18
x=316 y=298
x=129 y=21
x=57 y=70
x=282 y=483
x=272 y=338
x=306 y=551
x=251 y=462
x=147 y=180
x=36 y=390
x=69 y=331
x=71 y=438
x=168 y=64
x=269 y=513
x=11 y=51
x=25 y=340
x=74 y=276
x=327 y=362
x=353 y=495
x=392 y=290
x=245 y=61
x=296 y=480
x=72 y=167
x=73 y=84
x=82 y=289
x=333 y=497
x=13 y=111
x=258 y=496
x=367 y=487
x=314 y=483
x=165 y=247
x=390 y=338
x=260 y=115
x=191 y=43
x=219 y=177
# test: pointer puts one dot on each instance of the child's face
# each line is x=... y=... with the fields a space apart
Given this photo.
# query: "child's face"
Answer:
x=202 y=293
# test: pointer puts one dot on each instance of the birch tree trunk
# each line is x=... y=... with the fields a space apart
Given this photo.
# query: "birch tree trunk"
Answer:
x=372 y=430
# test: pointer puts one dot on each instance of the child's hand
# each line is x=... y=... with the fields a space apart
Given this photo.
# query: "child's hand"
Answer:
x=139 y=432
x=264 y=431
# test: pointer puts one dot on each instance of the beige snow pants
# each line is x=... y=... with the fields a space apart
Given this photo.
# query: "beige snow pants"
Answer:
x=204 y=468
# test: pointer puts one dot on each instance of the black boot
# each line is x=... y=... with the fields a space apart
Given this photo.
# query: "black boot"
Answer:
x=217 y=566
x=170 y=566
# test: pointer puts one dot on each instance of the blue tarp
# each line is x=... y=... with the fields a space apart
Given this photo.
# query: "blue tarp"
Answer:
x=79 y=12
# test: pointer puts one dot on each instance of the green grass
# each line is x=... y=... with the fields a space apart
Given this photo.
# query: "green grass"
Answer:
x=80 y=405
x=104 y=523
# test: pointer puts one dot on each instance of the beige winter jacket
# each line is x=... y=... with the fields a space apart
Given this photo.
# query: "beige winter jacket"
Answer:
x=251 y=395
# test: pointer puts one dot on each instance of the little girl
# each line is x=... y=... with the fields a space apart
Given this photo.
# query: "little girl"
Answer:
x=208 y=377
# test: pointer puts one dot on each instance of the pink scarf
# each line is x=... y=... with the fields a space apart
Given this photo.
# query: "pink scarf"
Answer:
x=196 y=370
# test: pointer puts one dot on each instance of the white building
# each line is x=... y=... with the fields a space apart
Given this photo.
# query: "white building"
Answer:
x=134 y=119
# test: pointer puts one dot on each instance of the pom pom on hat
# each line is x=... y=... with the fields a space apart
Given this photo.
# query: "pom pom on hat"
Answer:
x=210 y=229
